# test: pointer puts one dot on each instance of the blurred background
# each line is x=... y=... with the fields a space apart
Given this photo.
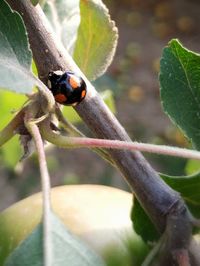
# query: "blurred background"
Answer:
x=131 y=89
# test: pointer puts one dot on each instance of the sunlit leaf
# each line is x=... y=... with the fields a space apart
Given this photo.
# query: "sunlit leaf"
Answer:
x=15 y=55
x=10 y=103
x=64 y=16
x=192 y=166
x=97 y=39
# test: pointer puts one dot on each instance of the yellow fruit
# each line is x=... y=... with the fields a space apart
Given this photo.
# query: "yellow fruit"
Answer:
x=98 y=214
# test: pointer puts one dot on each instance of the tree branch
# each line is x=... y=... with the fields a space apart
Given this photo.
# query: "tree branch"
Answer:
x=154 y=195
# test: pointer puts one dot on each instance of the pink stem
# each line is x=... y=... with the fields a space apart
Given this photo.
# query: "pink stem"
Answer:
x=144 y=147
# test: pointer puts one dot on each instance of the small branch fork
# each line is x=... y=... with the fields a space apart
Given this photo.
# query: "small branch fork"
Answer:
x=84 y=142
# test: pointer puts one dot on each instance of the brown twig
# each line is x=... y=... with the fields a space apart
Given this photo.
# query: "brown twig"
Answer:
x=182 y=257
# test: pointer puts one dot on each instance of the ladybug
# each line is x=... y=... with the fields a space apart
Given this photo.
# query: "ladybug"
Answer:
x=67 y=88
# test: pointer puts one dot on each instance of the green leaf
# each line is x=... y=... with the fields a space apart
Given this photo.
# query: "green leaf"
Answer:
x=97 y=39
x=180 y=89
x=64 y=16
x=10 y=102
x=108 y=98
x=192 y=167
x=35 y=2
x=188 y=186
x=142 y=224
x=136 y=252
x=93 y=51
x=15 y=55
x=29 y=252
x=66 y=249
x=11 y=153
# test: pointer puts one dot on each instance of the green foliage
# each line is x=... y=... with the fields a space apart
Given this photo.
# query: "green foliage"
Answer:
x=11 y=153
x=10 y=102
x=93 y=52
x=66 y=249
x=188 y=186
x=35 y=2
x=192 y=166
x=180 y=94
x=137 y=251
x=142 y=224
x=64 y=17
x=29 y=252
x=96 y=40
x=180 y=89
x=15 y=55
x=107 y=96
x=92 y=40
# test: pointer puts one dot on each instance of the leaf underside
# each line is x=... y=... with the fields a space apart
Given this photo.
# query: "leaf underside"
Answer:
x=66 y=249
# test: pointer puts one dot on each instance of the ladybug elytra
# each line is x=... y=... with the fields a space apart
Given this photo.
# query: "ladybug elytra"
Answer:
x=67 y=88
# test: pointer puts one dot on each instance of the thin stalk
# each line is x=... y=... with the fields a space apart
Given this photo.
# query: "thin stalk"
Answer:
x=152 y=254
x=45 y=182
x=76 y=142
